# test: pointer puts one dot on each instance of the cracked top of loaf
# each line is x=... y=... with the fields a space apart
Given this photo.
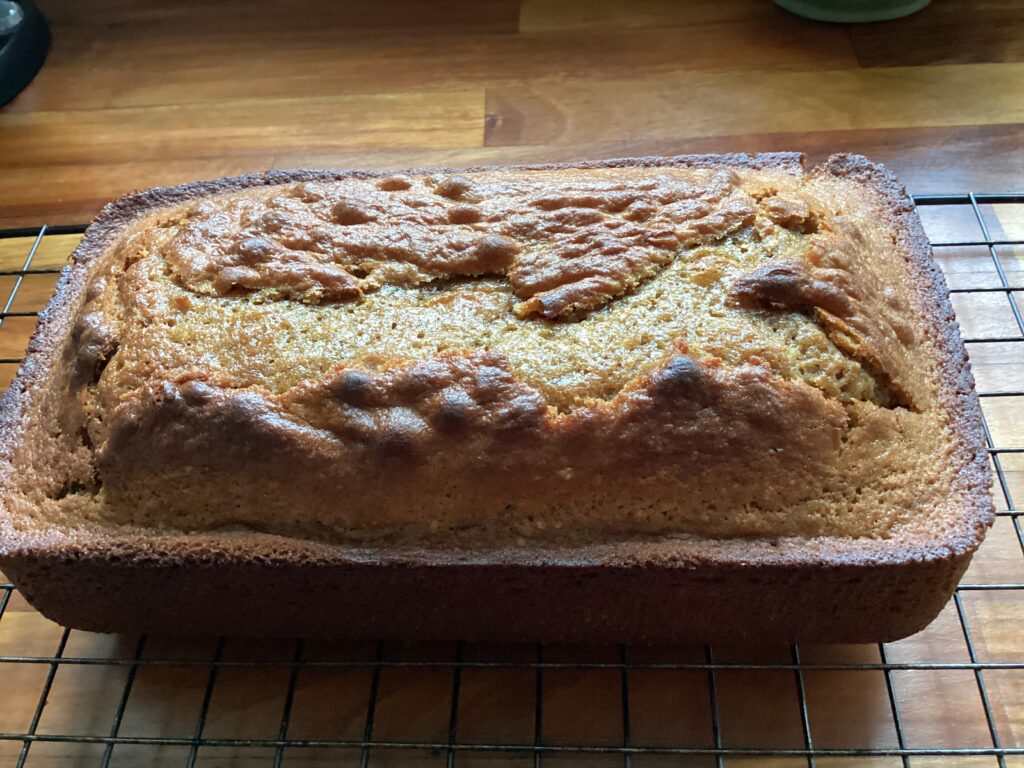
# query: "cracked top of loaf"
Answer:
x=498 y=355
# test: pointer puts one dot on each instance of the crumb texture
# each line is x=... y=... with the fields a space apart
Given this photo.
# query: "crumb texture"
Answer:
x=556 y=355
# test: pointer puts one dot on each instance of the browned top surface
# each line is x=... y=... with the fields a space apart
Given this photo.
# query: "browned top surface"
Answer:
x=579 y=279
x=802 y=392
x=568 y=244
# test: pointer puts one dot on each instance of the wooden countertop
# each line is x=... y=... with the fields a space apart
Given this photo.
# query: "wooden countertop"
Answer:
x=138 y=93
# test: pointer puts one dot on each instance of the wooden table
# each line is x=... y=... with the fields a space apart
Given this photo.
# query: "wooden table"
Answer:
x=140 y=92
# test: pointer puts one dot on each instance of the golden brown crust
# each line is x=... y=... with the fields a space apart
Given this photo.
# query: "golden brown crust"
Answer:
x=567 y=248
x=928 y=558
x=599 y=446
x=457 y=449
x=880 y=333
x=955 y=392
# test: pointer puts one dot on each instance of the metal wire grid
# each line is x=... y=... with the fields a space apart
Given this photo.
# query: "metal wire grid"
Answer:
x=451 y=747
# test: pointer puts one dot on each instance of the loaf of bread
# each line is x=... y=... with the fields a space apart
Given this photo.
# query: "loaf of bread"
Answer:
x=654 y=399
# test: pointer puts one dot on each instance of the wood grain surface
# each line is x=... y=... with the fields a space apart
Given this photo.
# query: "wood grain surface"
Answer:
x=138 y=93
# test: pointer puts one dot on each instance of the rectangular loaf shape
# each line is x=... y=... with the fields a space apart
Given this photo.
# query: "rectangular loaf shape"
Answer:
x=663 y=399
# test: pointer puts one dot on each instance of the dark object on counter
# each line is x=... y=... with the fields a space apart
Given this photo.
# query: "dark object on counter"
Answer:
x=852 y=11
x=24 y=43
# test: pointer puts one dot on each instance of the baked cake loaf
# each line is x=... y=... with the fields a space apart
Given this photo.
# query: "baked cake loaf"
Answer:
x=655 y=399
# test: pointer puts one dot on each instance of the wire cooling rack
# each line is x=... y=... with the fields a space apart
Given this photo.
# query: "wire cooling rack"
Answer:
x=951 y=695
